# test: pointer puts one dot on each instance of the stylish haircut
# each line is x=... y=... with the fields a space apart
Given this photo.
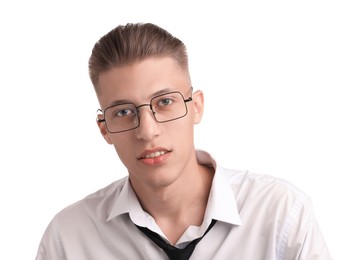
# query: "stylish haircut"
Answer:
x=125 y=45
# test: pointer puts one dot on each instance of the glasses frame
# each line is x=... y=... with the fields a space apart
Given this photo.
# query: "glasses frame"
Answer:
x=102 y=120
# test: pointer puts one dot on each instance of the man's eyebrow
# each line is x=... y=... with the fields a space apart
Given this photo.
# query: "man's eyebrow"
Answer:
x=162 y=91
x=127 y=101
x=120 y=102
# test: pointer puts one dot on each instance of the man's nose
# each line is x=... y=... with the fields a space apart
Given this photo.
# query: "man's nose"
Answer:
x=148 y=126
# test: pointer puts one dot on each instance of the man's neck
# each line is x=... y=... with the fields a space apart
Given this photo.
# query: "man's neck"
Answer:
x=179 y=205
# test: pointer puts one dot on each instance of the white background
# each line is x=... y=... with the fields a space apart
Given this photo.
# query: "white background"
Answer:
x=281 y=82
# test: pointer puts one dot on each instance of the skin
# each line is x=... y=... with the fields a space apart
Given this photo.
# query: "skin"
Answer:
x=173 y=187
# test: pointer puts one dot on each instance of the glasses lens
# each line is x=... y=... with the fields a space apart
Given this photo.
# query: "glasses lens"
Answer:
x=121 y=118
x=168 y=107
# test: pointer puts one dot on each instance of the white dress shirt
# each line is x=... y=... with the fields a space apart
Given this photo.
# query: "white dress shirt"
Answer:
x=258 y=218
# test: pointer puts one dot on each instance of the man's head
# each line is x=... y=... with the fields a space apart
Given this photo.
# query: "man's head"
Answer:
x=140 y=73
x=125 y=45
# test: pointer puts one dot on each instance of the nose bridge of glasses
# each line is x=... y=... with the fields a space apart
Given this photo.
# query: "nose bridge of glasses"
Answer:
x=145 y=105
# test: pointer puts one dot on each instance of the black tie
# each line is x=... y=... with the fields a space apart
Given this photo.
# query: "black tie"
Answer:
x=173 y=252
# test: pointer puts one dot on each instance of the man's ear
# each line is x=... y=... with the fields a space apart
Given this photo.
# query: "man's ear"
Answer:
x=103 y=131
x=198 y=100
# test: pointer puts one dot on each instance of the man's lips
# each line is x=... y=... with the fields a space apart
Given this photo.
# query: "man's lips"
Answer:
x=153 y=153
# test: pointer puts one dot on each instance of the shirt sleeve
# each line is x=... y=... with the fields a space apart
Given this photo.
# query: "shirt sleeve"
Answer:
x=50 y=246
x=304 y=240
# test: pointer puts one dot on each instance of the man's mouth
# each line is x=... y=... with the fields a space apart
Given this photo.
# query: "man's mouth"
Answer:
x=149 y=154
x=154 y=157
x=155 y=154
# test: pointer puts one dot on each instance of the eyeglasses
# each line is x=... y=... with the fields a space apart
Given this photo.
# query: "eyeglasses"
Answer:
x=125 y=116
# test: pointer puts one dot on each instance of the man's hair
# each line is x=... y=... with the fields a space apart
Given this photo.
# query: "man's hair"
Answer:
x=125 y=45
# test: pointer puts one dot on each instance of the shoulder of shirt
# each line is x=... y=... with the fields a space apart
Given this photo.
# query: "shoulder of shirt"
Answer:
x=108 y=192
x=116 y=186
x=262 y=182
x=250 y=181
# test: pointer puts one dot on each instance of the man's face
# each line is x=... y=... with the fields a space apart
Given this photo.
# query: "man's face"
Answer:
x=155 y=154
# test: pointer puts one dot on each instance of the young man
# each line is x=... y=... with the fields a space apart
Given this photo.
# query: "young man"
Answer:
x=177 y=202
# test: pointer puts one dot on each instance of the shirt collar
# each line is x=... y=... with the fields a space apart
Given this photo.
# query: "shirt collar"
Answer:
x=126 y=202
x=221 y=204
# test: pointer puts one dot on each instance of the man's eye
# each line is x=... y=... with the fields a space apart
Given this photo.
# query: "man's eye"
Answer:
x=165 y=102
x=124 y=112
